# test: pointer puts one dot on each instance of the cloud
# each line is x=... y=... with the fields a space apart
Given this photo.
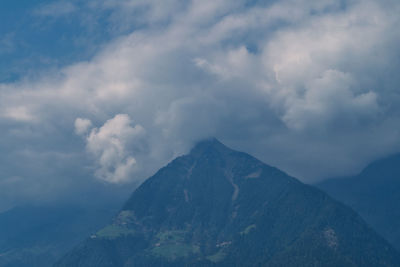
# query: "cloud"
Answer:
x=318 y=67
x=327 y=99
x=111 y=145
x=18 y=113
x=55 y=9
x=310 y=87
x=82 y=126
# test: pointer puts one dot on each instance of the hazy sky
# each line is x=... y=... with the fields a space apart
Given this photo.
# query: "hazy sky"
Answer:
x=101 y=93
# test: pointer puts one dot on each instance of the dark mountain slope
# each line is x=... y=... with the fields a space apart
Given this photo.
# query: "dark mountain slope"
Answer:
x=374 y=194
x=219 y=207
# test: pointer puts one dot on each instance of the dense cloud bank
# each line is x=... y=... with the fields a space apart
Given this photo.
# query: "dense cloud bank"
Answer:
x=311 y=87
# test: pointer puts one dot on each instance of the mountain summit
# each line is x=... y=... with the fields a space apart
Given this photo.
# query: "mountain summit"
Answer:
x=219 y=207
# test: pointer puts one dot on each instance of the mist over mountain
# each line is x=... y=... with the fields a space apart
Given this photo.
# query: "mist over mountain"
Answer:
x=219 y=207
x=374 y=194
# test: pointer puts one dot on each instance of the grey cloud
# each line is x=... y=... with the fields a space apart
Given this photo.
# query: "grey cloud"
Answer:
x=82 y=126
x=305 y=86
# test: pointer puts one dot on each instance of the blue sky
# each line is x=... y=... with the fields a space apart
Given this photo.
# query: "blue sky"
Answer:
x=41 y=35
x=97 y=95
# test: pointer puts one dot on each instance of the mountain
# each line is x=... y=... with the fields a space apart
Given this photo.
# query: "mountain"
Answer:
x=36 y=236
x=374 y=194
x=219 y=207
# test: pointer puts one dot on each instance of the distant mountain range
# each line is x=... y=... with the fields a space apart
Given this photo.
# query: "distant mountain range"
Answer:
x=219 y=207
x=374 y=194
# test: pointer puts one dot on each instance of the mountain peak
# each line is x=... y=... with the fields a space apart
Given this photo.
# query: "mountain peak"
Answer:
x=209 y=145
x=221 y=207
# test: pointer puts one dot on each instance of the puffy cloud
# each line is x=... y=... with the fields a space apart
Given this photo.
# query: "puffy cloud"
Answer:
x=327 y=99
x=111 y=145
x=317 y=67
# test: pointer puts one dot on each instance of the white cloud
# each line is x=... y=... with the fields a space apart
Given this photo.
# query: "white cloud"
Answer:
x=327 y=99
x=111 y=145
x=319 y=68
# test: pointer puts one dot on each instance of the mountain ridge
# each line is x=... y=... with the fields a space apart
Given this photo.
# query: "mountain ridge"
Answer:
x=219 y=207
x=374 y=193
